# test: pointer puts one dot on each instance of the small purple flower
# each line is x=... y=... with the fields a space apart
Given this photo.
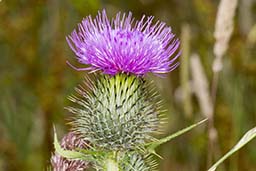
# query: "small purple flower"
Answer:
x=124 y=45
x=70 y=141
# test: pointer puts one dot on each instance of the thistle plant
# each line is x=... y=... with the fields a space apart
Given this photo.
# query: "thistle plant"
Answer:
x=118 y=111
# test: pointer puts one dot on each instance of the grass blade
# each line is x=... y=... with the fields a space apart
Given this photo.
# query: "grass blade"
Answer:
x=243 y=141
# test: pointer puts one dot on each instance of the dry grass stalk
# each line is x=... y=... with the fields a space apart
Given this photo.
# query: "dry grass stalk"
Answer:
x=223 y=30
x=184 y=69
x=201 y=86
x=251 y=38
x=201 y=89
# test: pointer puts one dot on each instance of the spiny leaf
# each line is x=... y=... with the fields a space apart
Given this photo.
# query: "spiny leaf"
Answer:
x=65 y=153
x=243 y=141
x=153 y=145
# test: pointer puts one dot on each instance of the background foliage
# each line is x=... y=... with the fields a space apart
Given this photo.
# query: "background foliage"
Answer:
x=35 y=80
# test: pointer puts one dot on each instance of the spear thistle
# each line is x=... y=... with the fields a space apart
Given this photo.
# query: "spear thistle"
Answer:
x=118 y=111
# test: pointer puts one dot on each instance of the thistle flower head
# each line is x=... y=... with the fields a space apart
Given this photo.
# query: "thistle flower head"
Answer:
x=71 y=141
x=118 y=112
x=123 y=45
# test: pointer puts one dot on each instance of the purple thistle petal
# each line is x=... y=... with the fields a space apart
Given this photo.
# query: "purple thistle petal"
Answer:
x=122 y=45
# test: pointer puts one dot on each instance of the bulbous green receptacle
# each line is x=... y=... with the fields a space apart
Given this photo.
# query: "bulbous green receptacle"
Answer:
x=117 y=112
x=128 y=161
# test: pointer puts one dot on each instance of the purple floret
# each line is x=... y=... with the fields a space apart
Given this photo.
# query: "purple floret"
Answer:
x=123 y=45
x=70 y=141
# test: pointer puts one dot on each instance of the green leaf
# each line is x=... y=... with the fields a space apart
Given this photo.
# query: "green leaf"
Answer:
x=243 y=141
x=153 y=145
x=66 y=153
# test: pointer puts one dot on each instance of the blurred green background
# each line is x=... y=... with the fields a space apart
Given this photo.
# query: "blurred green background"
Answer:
x=35 y=80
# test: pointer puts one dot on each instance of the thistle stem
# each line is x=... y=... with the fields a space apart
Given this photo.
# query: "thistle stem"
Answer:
x=111 y=165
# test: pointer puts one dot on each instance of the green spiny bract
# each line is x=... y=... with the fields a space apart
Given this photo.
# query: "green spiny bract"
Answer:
x=126 y=161
x=133 y=161
x=117 y=112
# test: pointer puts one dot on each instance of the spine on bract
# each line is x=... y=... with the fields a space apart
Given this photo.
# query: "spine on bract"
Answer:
x=117 y=115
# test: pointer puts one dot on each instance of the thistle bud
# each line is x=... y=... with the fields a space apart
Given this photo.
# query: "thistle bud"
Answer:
x=119 y=112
